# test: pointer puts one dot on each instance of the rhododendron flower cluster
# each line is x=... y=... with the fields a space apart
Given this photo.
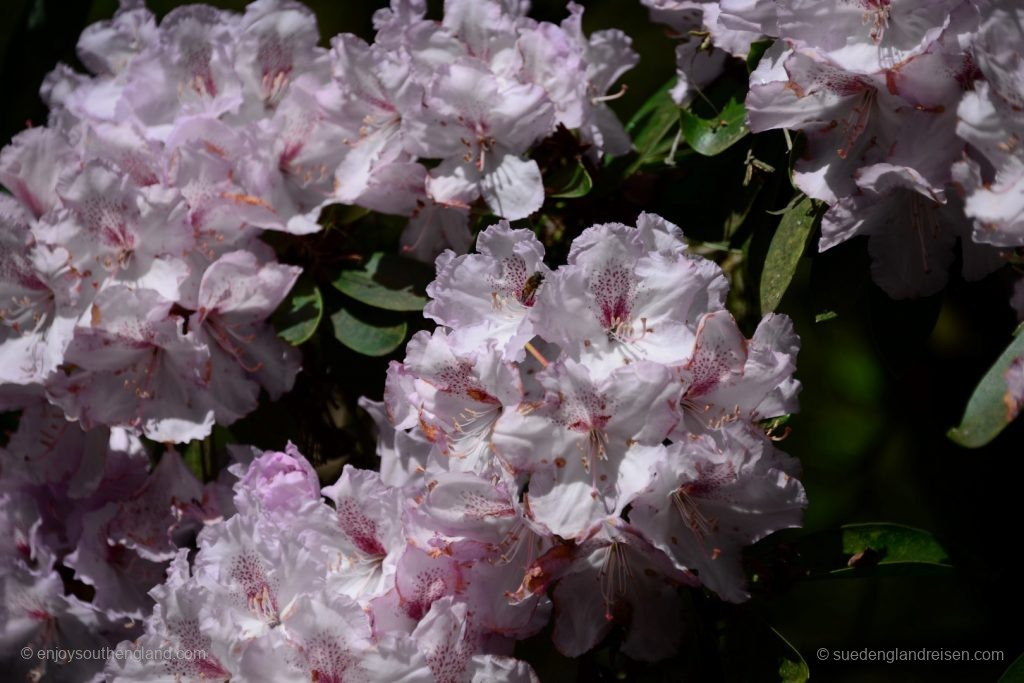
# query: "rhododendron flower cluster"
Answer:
x=574 y=464
x=908 y=109
x=86 y=530
x=133 y=285
x=615 y=404
x=588 y=431
x=291 y=588
x=472 y=93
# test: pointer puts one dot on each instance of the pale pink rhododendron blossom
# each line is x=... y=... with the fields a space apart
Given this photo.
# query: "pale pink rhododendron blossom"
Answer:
x=992 y=170
x=593 y=434
x=133 y=276
x=283 y=590
x=87 y=531
x=636 y=582
x=572 y=445
x=39 y=294
x=906 y=112
x=534 y=424
x=523 y=480
x=618 y=300
x=136 y=289
x=713 y=495
x=512 y=264
x=470 y=94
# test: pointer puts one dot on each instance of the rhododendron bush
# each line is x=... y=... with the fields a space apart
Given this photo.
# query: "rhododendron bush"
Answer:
x=467 y=340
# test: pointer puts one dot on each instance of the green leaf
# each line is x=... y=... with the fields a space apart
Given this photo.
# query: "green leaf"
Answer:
x=711 y=136
x=792 y=668
x=825 y=316
x=1015 y=674
x=387 y=281
x=373 y=333
x=886 y=549
x=656 y=101
x=886 y=545
x=785 y=250
x=573 y=181
x=653 y=128
x=990 y=408
x=856 y=551
x=298 y=316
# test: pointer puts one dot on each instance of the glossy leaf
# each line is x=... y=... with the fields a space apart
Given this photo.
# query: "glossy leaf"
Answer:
x=375 y=333
x=714 y=135
x=784 y=253
x=872 y=549
x=653 y=128
x=298 y=317
x=573 y=182
x=387 y=281
x=894 y=544
x=990 y=409
x=853 y=551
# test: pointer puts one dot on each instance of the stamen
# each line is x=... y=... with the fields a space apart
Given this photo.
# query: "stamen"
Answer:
x=925 y=224
x=471 y=432
x=693 y=517
x=621 y=330
x=615 y=575
x=878 y=16
x=223 y=335
x=608 y=98
x=855 y=124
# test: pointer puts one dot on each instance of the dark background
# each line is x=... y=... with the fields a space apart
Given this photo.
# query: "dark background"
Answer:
x=883 y=381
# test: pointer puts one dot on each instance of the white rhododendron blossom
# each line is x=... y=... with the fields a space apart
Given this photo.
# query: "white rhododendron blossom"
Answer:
x=992 y=169
x=906 y=111
x=136 y=291
x=87 y=530
x=292 y=588
x=569 y=448
x=534 y=425
x=470 y=95
x=530 y=472
x=134 y=286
